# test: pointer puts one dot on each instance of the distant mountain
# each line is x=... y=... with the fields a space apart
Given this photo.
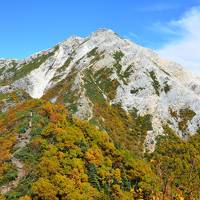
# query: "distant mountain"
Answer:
x=119 y=86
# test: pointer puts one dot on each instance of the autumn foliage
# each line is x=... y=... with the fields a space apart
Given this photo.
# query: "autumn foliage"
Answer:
x=68 y=158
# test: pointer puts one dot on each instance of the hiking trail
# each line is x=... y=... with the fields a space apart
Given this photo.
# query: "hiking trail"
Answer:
x=22 y=141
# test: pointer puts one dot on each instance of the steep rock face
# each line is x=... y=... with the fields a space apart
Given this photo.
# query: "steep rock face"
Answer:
x=103 y=78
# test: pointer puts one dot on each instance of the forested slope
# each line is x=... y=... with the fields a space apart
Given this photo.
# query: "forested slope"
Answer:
x=68 y=158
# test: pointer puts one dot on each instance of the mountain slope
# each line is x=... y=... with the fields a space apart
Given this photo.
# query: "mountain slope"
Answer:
x=66 y=158
x=62 y=157
x=114 y=83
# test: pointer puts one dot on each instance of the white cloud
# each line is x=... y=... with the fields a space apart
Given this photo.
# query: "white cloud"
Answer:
x=185 y=50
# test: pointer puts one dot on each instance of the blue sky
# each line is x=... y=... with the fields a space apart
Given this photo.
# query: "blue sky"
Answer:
x=28 y=26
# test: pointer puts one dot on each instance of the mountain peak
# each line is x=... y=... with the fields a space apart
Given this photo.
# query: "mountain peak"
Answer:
x=105 y=69
x=103 y=31
x=71 y=40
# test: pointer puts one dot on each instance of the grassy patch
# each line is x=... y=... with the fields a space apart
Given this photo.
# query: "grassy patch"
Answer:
x=9 y=175
x=93 y=52
x=91 y=87
x=34 y=64
x=126 y=129
x=2 y=70
x=185 y=115
x=66 y=64
x=108 y=86
x=166 y=87
x=28 y=67
x=155 y=82
x=122 y=75
x=136 y=90
x=118 y=55
x=63 y=90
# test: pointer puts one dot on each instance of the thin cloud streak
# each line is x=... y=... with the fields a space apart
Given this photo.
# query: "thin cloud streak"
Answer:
x=185 y=50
